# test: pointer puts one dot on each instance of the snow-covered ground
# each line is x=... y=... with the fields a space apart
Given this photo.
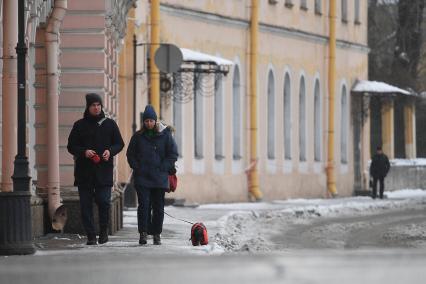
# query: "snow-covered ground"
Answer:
x=251 y=226
x=257 y=227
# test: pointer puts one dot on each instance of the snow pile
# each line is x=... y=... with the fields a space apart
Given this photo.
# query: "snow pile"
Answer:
x=245 y=231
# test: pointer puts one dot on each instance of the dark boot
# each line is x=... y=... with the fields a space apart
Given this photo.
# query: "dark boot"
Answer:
x=103 y=236
x=157 y=240
x=143 y=238
x=91 y=240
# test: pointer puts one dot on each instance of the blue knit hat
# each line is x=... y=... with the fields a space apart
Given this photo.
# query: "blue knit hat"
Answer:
x=149 y=113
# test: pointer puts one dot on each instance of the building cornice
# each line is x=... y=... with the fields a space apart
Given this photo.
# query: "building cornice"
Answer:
x=217 y=19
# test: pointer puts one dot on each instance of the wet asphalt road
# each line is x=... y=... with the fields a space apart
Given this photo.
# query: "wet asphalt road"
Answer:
x=387 y=247
x=308 y=266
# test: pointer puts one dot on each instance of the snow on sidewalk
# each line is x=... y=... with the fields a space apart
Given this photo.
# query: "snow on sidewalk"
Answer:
x=236 y=226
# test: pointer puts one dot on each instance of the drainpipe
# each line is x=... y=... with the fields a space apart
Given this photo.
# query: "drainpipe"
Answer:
x=331 y=176
x=9 y=91
x=252 y=173
x=57 y=211
x=154 y=74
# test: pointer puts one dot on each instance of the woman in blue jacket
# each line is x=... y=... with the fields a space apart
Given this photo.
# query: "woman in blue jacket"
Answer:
x=152 y=154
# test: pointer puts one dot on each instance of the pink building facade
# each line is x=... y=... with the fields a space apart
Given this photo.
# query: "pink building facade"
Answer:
x=90 y=36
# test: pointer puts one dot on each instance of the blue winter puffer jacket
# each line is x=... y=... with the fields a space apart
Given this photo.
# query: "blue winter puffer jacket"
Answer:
x=152 y=158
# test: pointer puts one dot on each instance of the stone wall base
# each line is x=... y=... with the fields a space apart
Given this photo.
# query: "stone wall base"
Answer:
x=41 y=224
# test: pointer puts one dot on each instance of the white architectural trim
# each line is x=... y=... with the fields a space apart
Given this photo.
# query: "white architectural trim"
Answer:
x=338 y=105
x=219 y=164
x=271 y=166
x=287 y=70
x=305 y=129
x=271 y=69
x=242 y=107
x=287 y=166
x=317 y=77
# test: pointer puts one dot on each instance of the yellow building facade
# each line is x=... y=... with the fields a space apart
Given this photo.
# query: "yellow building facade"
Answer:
x=210 y=111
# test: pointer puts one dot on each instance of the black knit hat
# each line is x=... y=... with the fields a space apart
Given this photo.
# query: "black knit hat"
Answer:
x=93 y=98
x=149 y=113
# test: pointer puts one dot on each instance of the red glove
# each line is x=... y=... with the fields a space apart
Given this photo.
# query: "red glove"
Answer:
x=95 y=159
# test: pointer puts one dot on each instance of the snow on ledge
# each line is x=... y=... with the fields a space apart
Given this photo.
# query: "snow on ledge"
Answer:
x=408 y=162
x=191 y=55
x=364 y=86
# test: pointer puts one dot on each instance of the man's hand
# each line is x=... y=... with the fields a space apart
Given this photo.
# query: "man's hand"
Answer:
x=106 y=155
x=89 y=153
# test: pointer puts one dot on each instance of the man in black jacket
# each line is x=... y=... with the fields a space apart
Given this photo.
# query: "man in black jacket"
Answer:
x=94 y=141
x=378 y=170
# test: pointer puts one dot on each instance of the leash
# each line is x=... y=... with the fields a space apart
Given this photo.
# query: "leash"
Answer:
x=177 y=218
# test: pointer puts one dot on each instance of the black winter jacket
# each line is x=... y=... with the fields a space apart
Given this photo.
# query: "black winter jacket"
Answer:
x=98 y=134
x=380 y=166
x=152 y=158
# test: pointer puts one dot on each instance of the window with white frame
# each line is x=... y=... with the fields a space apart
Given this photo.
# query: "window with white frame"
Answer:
x=218 y=117
x=302 y=120
x=271 y=116
x=288 y=3
x=318 y=7
x=198 y=117
x=344 y=112
x=177 y=114
x=344 y=8
x=317 y=122
x=287 y=117
x=303 y=5
x=236 y=114
x=357 y=12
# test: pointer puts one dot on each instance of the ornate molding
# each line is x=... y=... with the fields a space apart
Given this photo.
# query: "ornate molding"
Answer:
x=116 y=18
x=37 y=13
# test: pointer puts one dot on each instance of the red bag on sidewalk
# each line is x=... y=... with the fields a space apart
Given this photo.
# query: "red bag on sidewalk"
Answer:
x=172 y=183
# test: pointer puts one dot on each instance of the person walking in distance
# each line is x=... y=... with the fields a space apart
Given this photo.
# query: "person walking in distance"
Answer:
x=378 y=170
x=94 y=141
x=152 y=154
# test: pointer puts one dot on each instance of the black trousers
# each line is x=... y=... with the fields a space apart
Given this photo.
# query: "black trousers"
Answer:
x=150 y=209
x=382 y=186
x=102 y=197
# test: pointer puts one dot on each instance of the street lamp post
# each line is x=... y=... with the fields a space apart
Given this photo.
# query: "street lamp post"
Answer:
x=15 y=207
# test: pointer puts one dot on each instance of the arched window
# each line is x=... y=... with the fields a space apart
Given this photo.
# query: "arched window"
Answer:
x=317 y=122
x=236 y=115
x=177 y=113
x=271 y=116
x=287 y=117
x=198 y=116
x=302 y=120
x=318 y=8
x=344 y=9
x=344 y=127
x=218 y=117
x=357 y=12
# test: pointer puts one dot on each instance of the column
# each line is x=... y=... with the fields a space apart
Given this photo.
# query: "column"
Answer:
x=9 y=92
x=410 y=129
x=388 y=127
